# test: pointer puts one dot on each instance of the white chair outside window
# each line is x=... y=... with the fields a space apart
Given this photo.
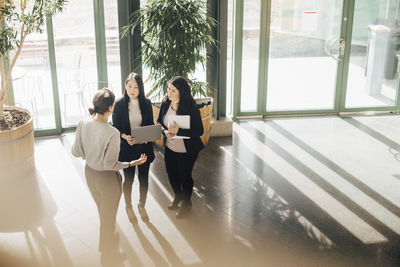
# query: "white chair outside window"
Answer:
x=24 y=95
x=71 y=89
x=89 y=89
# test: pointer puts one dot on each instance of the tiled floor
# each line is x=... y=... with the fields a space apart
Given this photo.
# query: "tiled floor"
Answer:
x=282 y=192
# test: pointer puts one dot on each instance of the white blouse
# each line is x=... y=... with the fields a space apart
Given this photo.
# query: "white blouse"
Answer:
x=135 y=115
x=176 y=145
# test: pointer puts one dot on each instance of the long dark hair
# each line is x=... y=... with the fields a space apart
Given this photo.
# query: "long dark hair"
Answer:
x=186 y=101
x=141 y=97
x=103 y=99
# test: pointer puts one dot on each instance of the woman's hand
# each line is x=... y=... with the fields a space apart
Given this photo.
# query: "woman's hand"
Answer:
x=131 y=140
x=140 y=161
x=169 y=134
x=173 y=127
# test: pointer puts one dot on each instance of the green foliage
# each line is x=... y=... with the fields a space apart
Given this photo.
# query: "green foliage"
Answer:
x=19 y=18
x=175 y=34
x=8 y=39
x=32 y=16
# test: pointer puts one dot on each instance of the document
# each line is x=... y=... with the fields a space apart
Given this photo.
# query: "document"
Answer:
x=148 y=133
x=180 y=137
x=183 y=121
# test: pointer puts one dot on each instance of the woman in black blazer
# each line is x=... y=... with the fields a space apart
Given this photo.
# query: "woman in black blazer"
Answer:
x=134 y=110
x=180 y=154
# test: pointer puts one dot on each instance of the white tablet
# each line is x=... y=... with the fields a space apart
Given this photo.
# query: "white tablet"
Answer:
x=148 y=133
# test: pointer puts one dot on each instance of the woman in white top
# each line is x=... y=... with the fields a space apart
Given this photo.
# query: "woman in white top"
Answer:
x=98 y=143
x=131 y=111
x=180 y=154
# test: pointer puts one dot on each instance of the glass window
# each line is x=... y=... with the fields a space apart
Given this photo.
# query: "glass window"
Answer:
x=229 y=52
x=112 y=46
x=250 y=55
x=301 y=72
x=31 y=79
x=75 y=49
x=375 y=53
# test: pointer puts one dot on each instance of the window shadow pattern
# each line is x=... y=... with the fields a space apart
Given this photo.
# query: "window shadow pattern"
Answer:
x=344 y=241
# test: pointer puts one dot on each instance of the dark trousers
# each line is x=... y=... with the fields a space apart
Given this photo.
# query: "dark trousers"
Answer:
x=179 y=169
x=143 y=173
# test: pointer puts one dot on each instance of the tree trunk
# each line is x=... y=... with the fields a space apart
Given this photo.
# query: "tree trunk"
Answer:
x=6 y=78
x=1 y=111
x=2 y=70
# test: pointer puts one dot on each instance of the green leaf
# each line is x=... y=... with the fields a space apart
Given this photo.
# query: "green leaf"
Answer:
x=174 y=34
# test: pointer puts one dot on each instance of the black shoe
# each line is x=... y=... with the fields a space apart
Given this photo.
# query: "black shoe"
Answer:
x=174 y=204
x=184 y=209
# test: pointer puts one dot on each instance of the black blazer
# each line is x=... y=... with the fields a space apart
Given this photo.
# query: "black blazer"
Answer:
x=194 y=144
x=121 y=122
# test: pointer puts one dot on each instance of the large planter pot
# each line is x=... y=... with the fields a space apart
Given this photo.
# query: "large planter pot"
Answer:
x=17 y=150
x=206 y=111
x=205 y=106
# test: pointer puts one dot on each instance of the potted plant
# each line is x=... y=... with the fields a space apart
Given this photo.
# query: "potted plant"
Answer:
x=175 y=35
x=18 y=19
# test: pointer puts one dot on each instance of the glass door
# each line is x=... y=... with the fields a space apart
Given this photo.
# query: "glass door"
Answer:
x=57 y=72
x=373 y=70
x=75 y=50
x=31 y=79
x=250 y=55
x=304 y=57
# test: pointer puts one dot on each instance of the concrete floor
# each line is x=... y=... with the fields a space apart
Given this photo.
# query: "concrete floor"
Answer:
x=283 y=192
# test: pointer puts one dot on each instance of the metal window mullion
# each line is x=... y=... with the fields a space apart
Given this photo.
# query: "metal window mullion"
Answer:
x=101 y=52
x=135 y=42
x=223 y=38
x=124 y=51
x=263 y=56
x=237 y=56
x=398 y=94
x=54 y=78
x=212 y=70
x=343 y=67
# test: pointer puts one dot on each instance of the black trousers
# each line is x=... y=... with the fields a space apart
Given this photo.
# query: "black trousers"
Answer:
x=179 y=169
x=143 y=173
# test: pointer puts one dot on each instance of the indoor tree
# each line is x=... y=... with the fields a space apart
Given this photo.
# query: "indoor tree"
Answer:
x=175 y=35
x=18 y=19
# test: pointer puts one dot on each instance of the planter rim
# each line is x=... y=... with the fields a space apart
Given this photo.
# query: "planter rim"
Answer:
x=19 y=109
x=198 y=101
x=204 y=99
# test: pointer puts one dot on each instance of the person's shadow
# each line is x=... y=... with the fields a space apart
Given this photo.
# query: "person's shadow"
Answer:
x=26 y=206
x=166 y=246
x=155 y=256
